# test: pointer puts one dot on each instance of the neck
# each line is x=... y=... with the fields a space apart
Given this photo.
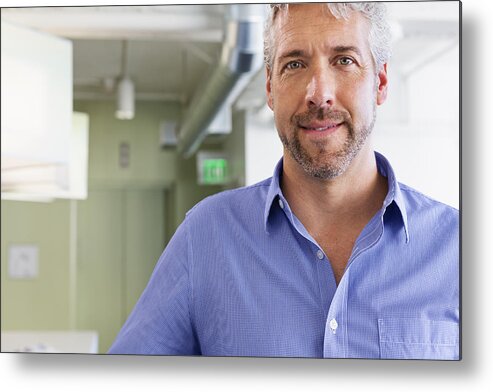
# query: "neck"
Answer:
x=349 y=199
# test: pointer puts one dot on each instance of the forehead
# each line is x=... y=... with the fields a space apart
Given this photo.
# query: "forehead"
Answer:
x=313 y=24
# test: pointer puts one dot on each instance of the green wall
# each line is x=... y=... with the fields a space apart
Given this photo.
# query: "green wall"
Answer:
x=119 y=231
x=120 y=238
x=149 y=164
x=41 y=303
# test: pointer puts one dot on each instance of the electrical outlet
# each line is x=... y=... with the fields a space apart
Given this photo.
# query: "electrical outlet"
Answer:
x=23 y=261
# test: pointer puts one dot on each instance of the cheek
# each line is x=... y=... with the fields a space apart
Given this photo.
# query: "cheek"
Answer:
x=359 y=100
x=283 y=119
x=284 y=101
x=280 y=118
x=290 y=88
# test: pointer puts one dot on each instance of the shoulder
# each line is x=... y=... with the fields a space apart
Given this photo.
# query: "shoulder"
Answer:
x=421 y=205
x=245 y=198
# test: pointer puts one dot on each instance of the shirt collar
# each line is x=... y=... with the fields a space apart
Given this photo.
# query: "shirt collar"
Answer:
x=394 y=193
x=274 y=191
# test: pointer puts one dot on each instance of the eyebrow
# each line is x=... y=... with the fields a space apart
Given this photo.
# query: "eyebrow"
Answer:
x=342 y=49
x=337 y=49
x=291 y=54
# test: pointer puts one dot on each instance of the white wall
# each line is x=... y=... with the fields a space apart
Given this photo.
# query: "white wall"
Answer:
x=423 y=144
x=263 y=149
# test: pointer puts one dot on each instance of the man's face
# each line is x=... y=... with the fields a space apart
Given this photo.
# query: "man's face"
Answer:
x=323 y=87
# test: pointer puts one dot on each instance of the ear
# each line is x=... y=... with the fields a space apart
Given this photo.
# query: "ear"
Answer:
x=382 y=85
x=268 y=88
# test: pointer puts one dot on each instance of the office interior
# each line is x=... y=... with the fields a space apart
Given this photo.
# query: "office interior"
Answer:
x=115 y=121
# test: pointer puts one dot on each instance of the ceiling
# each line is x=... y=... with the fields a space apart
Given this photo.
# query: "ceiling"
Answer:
x=171 y=48
x=168 y=47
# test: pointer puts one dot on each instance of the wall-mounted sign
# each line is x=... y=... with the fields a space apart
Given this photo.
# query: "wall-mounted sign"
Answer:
x=212 y=168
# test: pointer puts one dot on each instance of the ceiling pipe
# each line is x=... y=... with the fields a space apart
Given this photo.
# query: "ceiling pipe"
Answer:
x=241 y=57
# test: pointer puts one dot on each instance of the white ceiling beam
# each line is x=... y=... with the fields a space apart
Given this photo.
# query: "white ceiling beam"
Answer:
x=109 y=23
x=143 y=96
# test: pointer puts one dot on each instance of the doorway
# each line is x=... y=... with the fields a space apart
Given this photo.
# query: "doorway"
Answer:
x=120 y=236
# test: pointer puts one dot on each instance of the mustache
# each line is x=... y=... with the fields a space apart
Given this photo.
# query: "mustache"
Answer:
x=321 y=114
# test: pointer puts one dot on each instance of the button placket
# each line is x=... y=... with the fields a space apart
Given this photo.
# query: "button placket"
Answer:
x=335 y=338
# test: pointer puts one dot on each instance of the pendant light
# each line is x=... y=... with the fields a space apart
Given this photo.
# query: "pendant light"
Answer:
x=125 y=91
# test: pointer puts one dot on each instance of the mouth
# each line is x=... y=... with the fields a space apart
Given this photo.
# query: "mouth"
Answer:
x=320 y=127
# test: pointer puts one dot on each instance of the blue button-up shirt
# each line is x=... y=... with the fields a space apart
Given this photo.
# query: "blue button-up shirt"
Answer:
x=243 y=277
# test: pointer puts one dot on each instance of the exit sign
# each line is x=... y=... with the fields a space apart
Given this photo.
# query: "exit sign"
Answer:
x=212 y=169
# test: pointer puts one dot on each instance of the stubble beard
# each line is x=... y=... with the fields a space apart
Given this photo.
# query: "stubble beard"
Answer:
x=323 y=163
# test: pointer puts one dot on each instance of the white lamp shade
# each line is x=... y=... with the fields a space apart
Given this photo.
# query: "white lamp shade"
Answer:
x=125 y=99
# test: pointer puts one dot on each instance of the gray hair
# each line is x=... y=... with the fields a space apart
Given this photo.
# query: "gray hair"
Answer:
x=376 y=13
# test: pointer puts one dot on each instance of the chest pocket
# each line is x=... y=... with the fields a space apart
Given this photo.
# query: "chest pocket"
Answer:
x=410 y=338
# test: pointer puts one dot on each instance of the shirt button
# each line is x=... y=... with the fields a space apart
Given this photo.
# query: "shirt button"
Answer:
x=281 y=204
x=333 y=325
x=320 y=254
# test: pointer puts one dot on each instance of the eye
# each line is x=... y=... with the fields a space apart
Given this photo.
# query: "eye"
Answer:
x=345 y=61
x=294 y=65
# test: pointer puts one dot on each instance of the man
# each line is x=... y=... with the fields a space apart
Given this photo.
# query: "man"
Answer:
x=331 y=257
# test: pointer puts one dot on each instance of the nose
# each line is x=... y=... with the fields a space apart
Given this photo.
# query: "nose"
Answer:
x=320 y=88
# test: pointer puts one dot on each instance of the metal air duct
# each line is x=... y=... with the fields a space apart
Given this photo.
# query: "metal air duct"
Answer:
x=241 y=57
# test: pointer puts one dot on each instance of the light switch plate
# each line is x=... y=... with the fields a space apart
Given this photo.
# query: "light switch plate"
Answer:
x=23 y=261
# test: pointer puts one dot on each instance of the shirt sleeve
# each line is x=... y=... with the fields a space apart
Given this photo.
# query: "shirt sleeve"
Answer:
x=160 y=323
